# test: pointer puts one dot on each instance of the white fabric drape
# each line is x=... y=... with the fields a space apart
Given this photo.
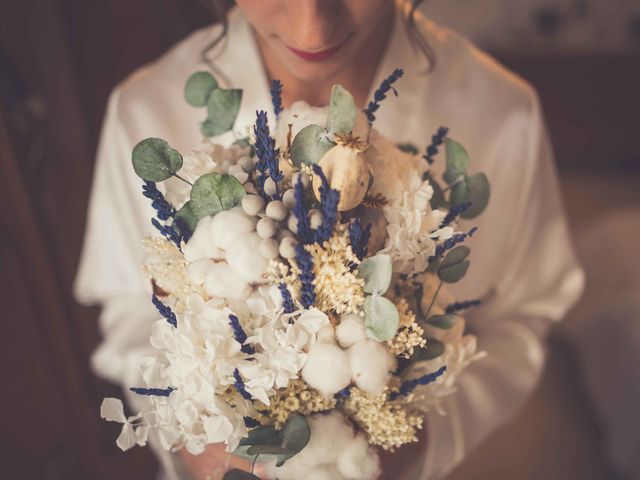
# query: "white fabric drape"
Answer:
x=521 y=253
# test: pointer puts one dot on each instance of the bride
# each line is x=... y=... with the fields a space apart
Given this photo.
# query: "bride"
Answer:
x=524 y=257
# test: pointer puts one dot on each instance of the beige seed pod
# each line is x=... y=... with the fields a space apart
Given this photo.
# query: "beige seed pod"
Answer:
x=346 y=170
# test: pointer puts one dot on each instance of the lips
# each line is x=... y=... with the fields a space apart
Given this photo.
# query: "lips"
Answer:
x=317 y=55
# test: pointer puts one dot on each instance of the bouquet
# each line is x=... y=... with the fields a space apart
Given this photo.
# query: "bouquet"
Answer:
x=299 y=274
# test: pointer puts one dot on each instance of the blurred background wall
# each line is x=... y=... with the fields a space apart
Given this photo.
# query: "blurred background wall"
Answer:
x=60 y=58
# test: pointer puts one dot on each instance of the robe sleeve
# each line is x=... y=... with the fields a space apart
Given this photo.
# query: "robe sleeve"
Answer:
x=539 y=284
x=109 y=274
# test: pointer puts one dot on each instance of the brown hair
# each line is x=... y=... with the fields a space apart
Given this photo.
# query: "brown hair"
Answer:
x=219 y=10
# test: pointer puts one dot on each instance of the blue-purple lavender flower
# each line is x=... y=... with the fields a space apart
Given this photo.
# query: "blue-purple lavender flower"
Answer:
x=381 y=93
x=436 y=141
x=329 y=199
x=165 y=311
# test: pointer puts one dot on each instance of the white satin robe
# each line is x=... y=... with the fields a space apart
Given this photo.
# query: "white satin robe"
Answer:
x=522 y=249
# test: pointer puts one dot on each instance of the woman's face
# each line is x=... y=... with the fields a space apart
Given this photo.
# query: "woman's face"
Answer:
x=316 y=39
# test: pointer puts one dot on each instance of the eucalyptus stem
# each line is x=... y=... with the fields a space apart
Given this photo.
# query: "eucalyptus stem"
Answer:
x=183 y=179
x=433 y=300
x=253 y=463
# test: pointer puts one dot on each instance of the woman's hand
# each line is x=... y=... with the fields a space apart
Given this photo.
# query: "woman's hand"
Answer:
x=214 y=462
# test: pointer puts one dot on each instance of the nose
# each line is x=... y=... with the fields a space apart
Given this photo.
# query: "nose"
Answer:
x=313 y=24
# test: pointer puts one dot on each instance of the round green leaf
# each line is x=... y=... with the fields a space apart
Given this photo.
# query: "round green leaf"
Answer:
x=459 y=193
x=154 y=160
x=457 y=161
x=236 y=474
x=198 y=88
x=376 y=272
x=454 y=266
x=222 y=107
x=381 y=318
x=186 y=217
x=342 y=111
x=433 y=349
x=295 y=436
x=268 y=450
x=479 y=192
x=408 y=148
x=212 y=193
x=445 y=321
x=309 y=145
x=437 y=199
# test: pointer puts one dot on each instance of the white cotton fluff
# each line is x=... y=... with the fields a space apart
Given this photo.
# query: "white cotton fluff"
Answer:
x=197 y=271
x=371 y=364
x=327 y=368
x=326 y=335
x=350 y=330
x=334 y=452
x=200 y=245
x=229 y=225
x=243 y=255
x=223 y=281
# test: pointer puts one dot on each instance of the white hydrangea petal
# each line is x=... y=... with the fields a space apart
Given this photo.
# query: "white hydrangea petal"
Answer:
x=218 y=429
x=127 y=437
x=141 y=434
x=112 y=410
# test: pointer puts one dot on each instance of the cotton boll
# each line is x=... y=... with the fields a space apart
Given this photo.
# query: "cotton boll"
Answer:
x=327 y=368
x=200 y=245
x=223 y=281
x=252 y=204
x=359 y=461
x=326 y=335
x=350 y=330
x=371 y=363
x=197 y=271
x=245 y=259
x=229 y=225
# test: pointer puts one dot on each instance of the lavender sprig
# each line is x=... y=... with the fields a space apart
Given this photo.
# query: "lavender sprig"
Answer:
x=267 y=153
x=459 y=306
x=359 y=238
x=450 y=243
x=240 y=335
x=167 y=232
x=239 y=384
x=436 y=141
x=329 y=199
x=300 y=212
x=276 y=96
x=381 y=93
x=164 y=210
x=287 y=300
x=454 y=213
x=306 y=277
x=410 y=385
x=153 y=392
x=250 y=422
x=165 y=311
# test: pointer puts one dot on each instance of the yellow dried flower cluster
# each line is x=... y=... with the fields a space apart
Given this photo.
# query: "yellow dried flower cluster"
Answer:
x=337 y=286
x=166 y=266
x=409 y=334
x=296 y=397
x=386 y=422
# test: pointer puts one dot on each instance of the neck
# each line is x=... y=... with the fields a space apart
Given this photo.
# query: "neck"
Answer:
x=356 y=77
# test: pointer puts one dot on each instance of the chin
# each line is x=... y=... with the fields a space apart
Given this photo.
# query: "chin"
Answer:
x=315 y=71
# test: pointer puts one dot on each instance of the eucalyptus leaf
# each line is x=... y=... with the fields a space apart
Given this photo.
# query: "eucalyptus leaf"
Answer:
x=222 y=107
x=479 y=193
x=381 y=318
x=198 y=88
x=342 y=111
x=309 y=145
x=454 y=266
x=296 y=434
x=438 y=199
x=154 y=160
x=187 y=218
x=457 y=161
x=268 y=449
x=408 y=148
x=236 y=474
x=214 y=192
x=444 y=321
x=376 y=272
x=433 y=349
